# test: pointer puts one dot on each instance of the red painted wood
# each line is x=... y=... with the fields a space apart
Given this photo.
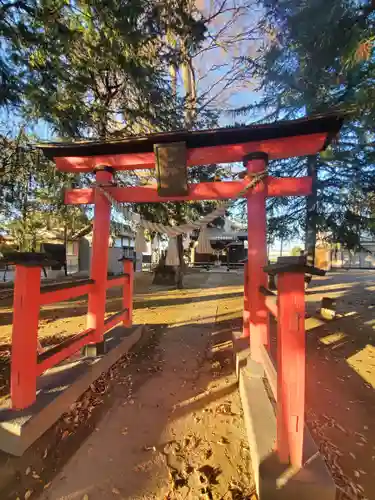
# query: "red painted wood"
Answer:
x=271 y=304
x=99 y=259
x=25 y=336
x=285 y=186
x=116 y=282
x=120 y=162
x=246 y=312
x=56 y=358
x=65 y=294
x=115 y=320
x=128 y=292
x=291 y=352
x=257 y=259
x=276 y=148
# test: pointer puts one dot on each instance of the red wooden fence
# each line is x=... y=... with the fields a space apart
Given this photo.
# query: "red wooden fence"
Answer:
x=29 y=296
x=287 y=381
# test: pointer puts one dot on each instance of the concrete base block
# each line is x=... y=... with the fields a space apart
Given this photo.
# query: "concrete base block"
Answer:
x=276 y=481
x=312 y=482
x=93 y=350
x=242 y=350
x=57 y=389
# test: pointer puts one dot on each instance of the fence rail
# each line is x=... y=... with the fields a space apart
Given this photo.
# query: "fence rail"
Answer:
x=64 y=350
x=50 y=294
x=29 y=296
x=117 y=280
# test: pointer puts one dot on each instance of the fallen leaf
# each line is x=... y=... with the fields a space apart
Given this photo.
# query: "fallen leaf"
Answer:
x=149 y=448
x=85 y=497
x=47 y=485
x=45 y=453
x=340 y=428
x=115 y=491
x=35 y=475
x=27 y=471
x=223 y=441
x=28 y=494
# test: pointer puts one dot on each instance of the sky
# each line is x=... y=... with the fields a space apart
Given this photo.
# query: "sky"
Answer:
x=231 y=34
x=10 y=123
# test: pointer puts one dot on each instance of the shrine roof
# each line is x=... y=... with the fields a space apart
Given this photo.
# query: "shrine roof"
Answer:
x=329 y=124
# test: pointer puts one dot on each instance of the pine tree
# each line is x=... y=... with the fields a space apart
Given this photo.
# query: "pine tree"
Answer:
x=313 y=63
x=32 y=193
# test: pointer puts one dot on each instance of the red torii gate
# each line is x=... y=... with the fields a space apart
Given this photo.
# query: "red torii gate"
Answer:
x=254 y=146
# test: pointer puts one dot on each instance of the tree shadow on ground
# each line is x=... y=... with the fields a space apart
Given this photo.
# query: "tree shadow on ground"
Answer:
x=340 y=382
x=78 y=306
x=173 y=394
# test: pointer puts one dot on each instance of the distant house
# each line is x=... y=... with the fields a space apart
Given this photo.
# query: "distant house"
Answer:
x=335 y=256
x=78 y=247
x=121 y=244
x=55 y=237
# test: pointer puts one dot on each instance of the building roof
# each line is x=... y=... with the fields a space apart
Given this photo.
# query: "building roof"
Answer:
x=330 y=124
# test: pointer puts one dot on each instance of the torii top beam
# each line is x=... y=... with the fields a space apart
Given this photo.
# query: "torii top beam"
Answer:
x=283 y=139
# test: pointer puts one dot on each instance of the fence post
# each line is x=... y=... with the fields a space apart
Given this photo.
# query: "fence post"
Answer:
x=99 y=263
x=291 y=367
x=291 y=355
x=257 y=254
x=26 y=304
x=128 y=292
x=246 y=312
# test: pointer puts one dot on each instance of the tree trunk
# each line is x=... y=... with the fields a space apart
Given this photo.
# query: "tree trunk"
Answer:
x=173 y=75
x=66 y=248
x=188 y=78
x=181 y=267
x=311 y=215
x=281 y=247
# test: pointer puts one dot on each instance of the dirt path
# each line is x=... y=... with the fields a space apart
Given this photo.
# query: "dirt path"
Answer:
x=175 y=430
x=341 y=380
x=152 y=305
x=340 y=393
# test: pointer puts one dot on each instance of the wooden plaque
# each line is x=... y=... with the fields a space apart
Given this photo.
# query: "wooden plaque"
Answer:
x=171 y=169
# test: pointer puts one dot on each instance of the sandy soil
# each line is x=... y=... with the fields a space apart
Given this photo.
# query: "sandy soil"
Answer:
x=340 y=384
x=172 y=427
x=341 y=380
x=152 y=305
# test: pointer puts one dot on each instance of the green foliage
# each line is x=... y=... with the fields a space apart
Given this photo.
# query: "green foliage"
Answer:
x=92 y=69
x=314 y=63
x=32 y=194
x=96 y=69
x=296 y=251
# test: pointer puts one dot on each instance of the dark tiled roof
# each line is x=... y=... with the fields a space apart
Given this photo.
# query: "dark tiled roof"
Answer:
x=329 y=124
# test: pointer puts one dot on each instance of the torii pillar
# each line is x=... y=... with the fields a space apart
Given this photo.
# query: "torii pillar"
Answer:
x=256 y=163
x=99 y=262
